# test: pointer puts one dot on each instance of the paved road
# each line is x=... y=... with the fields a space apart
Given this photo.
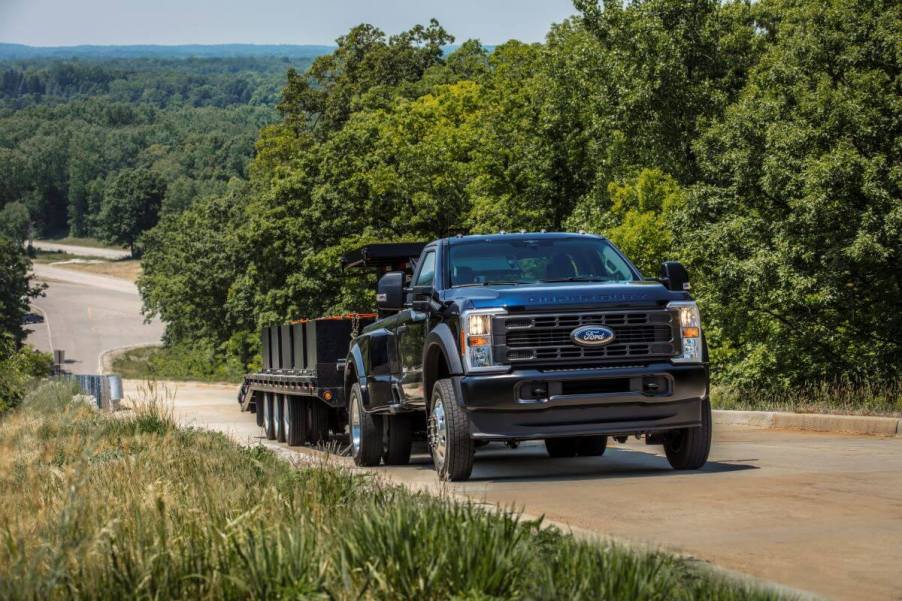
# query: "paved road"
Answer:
x=87 y=314
x=85 y=251
x=817 y=512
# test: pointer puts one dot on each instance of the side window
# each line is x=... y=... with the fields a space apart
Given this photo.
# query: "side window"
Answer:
x=426 y=274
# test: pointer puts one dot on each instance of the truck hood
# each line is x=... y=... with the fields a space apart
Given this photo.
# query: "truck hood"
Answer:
x=564 y=295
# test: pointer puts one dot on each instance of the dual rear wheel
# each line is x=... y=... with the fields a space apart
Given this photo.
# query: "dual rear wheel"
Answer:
x=292 y=419
x=377 y=438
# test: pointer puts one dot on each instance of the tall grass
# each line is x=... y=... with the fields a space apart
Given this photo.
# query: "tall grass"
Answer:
x=94 y=506
x=844 y=397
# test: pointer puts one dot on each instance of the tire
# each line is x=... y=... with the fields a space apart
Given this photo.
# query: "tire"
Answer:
x=398 y=439
x=269 y=425
x=591 y=446
x=449 y=434
x=688 y=448
x=365 y=431
x=561 y=447
x=295 y=420
x=278 y=416
x=258 y=408
x=318 y=421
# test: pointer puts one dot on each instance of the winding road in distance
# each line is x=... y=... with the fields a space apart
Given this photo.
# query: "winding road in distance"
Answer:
x=86 y=315
x=816 y=512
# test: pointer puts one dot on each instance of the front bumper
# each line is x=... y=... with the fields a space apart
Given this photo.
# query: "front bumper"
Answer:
x=535 y=404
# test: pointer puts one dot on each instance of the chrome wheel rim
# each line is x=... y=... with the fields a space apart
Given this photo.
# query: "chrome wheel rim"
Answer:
x=439 y=433
x=354 y=420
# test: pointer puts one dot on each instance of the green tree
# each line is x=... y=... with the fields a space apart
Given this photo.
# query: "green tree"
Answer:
x=641 y=217
x=797 y=233
x=16 y=290
x=15 y=222
x=131 y=205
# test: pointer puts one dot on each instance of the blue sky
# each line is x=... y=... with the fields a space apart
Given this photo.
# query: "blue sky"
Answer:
x=70 y=22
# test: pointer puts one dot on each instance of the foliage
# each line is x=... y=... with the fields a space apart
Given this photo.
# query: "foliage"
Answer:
x=199 y=517
x=68 y=126
x=18 y=369
x=15 y=290
x=639 y=217
x=795 y=237
x=15 y=222
x=131 y=205
x=200 y=362
x=757 y=142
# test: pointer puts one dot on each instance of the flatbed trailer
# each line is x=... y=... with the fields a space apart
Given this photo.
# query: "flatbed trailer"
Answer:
x=298 y=396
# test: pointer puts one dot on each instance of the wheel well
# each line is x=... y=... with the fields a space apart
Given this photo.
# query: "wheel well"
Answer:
x=435 y=368
x=350 y=378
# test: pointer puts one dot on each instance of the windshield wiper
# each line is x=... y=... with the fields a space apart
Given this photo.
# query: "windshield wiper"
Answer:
x=578 y=278
x=515 y=282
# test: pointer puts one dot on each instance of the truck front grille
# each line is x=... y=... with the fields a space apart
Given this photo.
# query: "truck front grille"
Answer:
x=545 y=338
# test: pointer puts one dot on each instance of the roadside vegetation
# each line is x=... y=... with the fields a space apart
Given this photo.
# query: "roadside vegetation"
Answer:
x=94 y=506
x=846 y=398
x=198 y=362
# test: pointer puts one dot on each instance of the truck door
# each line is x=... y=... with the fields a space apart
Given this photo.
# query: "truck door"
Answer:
x=411 y=331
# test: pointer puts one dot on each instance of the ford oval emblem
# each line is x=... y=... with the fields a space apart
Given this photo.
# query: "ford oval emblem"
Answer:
x=592 y=336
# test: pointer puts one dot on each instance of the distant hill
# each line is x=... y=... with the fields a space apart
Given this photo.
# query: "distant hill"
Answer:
x=22 y=51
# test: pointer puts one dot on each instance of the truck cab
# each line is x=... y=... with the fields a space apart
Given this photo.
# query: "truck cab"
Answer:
x=532 y=336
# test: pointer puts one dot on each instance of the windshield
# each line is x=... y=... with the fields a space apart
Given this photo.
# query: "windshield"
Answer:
x=482 y=263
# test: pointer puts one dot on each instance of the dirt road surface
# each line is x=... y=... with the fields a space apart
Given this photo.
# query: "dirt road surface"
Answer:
x=816 y=512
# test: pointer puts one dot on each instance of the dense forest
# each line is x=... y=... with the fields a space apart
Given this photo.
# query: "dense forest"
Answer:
x=102 y=148
x=758 y=142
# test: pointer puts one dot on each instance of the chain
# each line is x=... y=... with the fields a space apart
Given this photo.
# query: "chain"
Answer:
x=355 y=325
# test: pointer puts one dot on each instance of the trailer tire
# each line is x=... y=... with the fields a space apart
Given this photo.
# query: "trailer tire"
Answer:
x=295 y=420
x=449 y=434
x=688 y=448
x=591 y=446
x=269 y=427
x=258 y=408
x=398 y=439
x=365 y=431
x=561 y=447
x=318 y=421
x=278 y=416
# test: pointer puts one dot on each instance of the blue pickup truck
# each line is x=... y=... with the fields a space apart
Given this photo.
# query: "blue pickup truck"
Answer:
x=531 y=336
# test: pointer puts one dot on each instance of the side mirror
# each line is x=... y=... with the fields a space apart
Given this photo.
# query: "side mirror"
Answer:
x=674 y=276
x=390 y=291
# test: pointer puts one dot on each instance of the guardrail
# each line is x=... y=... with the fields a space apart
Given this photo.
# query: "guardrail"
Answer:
x=106 y=390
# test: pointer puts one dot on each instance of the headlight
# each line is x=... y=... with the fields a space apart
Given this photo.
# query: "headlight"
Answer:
x=690 y=331
x=476 y=340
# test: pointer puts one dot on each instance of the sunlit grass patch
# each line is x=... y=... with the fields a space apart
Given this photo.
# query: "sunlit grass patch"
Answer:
x=99 y=506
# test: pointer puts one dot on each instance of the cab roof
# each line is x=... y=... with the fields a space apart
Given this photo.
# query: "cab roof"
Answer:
x=519 y=236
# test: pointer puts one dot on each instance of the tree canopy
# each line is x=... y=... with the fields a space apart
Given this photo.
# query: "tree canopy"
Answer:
x=756 y=142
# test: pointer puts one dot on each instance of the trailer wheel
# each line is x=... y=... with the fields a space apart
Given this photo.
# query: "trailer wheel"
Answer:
x=258 y=408
x=688 y=448
x=295 y=420
x=561 y=447
x=591 y=446
x=365 y=431
x=269 y=427
x=449 y=434
x=278 y=416
x=318 y=421
x=398 y=439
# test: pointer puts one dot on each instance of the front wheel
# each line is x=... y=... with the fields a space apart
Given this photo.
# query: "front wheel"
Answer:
x=365 y=430
x=449 y=434
x=688 y=448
